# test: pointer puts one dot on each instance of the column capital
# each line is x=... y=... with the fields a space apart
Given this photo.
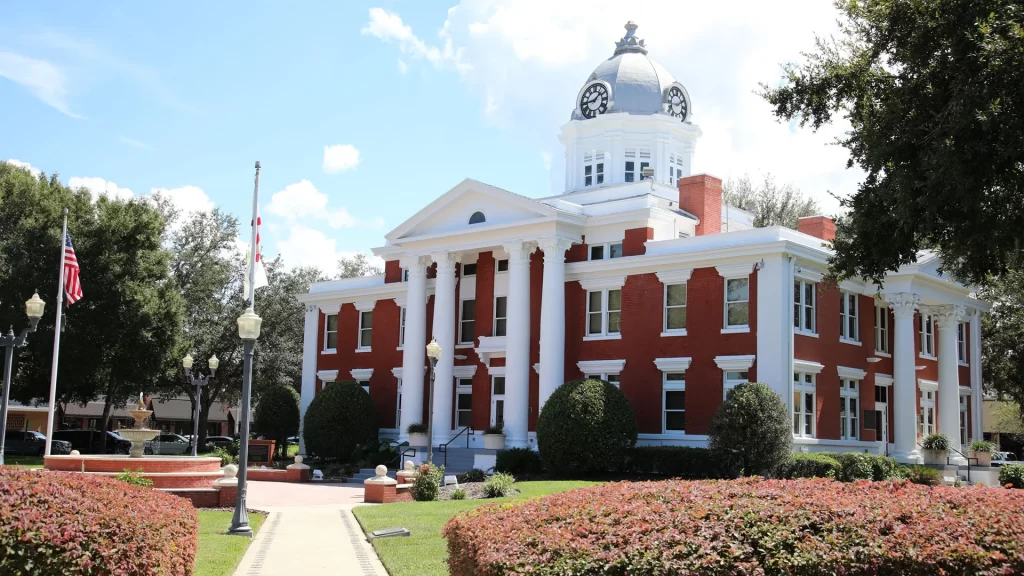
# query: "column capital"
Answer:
x=415 y=263
x=519 y=252
x=947 y=316
x=903 y=304
x=446 y=261
x=554 y=248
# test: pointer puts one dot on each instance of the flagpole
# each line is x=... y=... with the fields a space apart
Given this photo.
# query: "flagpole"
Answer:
x=56 y=338
x=252 y=243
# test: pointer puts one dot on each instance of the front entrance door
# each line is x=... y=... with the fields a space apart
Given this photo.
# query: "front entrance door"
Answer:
x=497 y=401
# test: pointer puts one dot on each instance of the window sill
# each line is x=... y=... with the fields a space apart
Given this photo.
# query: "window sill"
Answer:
x=883 y=354
x=670 y=333
x=464 y=345
x=402 y=347
x=736 y=330
x=962 y=363
x=367 y=349
x=329 y=351
x=850 y=342
x=926 y=356
x=602 y=337
x=798 y=332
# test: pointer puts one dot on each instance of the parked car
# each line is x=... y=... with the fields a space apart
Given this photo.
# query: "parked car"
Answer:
x=32 y=443
x=220 y=441
x=168 y=444
x=1003 y=458
x=90 y=441
x=293 y=440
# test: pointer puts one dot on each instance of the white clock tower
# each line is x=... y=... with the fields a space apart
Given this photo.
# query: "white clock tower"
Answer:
x=630 y=114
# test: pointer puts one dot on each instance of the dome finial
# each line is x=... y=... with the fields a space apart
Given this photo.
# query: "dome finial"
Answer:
x=629 y=42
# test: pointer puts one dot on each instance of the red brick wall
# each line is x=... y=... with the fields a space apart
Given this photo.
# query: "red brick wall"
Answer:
x=633 y=243
x=701 y=195
x=818 y=226
x=536 y=288
x=485 y=264
x=392 y=271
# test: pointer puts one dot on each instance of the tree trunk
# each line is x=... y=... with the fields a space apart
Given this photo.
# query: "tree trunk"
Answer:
x=204 y=417
x=105 y=423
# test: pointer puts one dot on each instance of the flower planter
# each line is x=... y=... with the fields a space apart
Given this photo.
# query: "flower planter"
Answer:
x=494 y=441
x=936 y=457
x=417 y=439
x=984 y=458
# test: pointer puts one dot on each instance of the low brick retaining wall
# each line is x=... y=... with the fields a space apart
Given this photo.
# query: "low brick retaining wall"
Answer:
x=294 y=473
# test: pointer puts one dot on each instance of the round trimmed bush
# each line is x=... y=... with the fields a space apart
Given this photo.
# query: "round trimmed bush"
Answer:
x=586 y=426
x=746 y=526
x=277 y=415
x=751 y=432
x=77 y=524
x=339 y=419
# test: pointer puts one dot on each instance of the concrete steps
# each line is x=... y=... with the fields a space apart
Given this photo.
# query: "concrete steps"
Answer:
x=459 y=460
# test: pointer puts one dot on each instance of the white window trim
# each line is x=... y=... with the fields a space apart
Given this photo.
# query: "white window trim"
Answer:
x=337 y=326
x=799 y=386
x=801 y=330
x=459 y=342
x=401 y=328
x=807 y=366
x=927 y=385
x=926 y=320
x=843 y=318
x=459 y=390
x=735 y=363
x=596 y=157
x=882 y=312
x=606 y=253
x=961 y=345
x=845 y=394
x=361 y=373
x=680 y=364
x=667 y=278
x=734 y=272
x=883 y=380
x=671 y=386
x=847 y=373
x=359 y=332
x=327 y=376
x=464 y=371
x=601 y=366
x=495 y=317
x=665 y=330
x=605 y=312
x=925 y=404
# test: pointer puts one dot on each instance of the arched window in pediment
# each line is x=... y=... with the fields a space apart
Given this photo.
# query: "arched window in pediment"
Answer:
x=477 y=218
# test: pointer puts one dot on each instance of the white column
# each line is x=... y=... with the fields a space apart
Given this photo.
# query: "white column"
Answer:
x=414 y=354
x=976 y=432
x=552 y=318
x=310 y=337
x=444 y=333
x=517 y=351
x=904 y=377
x=948 y=318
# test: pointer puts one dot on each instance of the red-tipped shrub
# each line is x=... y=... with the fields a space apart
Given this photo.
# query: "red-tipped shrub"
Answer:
x=76 y=524
x=748 y=526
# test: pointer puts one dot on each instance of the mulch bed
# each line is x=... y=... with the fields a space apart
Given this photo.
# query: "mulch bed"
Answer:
x=474 y=491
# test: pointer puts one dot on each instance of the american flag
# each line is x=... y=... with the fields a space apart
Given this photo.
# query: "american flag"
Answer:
x=71 y=282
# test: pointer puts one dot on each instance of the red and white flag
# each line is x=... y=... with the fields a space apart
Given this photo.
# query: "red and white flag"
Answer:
x=260 y=272
x=72 y=283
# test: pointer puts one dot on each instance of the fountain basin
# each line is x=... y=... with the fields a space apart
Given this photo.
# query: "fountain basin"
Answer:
x=138 y=438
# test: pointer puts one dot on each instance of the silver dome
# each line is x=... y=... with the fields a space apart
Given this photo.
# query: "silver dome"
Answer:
x=637 y=83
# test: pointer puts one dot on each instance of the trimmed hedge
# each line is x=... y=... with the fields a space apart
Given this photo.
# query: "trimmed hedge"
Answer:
x=518 y=462
x=674 y=461
x=752 y=431
x=77 y=524
x=843 y=466
x=746 y=526
x=585 y=427
x=339 y=419
x=810 y=465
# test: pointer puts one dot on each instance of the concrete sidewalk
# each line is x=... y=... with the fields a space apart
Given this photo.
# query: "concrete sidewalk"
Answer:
x=310 y=531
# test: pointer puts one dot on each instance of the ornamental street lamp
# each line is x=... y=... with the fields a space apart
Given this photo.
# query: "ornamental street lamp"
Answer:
x=198 y=381
x=34 y=310
x=433 y=353
x=248 y=331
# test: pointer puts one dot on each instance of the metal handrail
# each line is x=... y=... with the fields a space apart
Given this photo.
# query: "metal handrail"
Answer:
x=967 y=458
x=401 y=454
x=443 y=448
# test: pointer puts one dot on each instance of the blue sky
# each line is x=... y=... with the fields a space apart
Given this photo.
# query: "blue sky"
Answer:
x=411 y=97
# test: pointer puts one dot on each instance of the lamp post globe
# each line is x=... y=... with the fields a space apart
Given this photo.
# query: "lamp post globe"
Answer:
x=214 y=363
x=249 y=325
x=433 y=354
x=34 y=307
x=186 y=362
x=248 y=330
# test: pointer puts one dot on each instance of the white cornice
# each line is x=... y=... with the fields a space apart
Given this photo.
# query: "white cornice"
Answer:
x=848 y=373
x=672 y=364
x=601 y=366
x=805 y=273
x=807 y=366
x=365 y=305
x=361 y=373
x=927 y=385
x=883 y=380
x=464 y=371
x=605 y=283
x=401 y=301
x=397 y=372
x=326 y=376
x=674 y=276
x=330 y=308
x=735 y=270
x=735 y=363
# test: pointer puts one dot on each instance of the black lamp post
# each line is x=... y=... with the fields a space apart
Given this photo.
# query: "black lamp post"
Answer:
x=34 y=310
x=433 y=354
x=198 y=381
x=248 y=330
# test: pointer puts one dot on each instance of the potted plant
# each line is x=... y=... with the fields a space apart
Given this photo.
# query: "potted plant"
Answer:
x=417 y=434
x=982 y=450
x=494 y=438
x=935 y=448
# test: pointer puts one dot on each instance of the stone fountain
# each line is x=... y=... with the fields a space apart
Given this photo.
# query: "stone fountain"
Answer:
x=138 y=435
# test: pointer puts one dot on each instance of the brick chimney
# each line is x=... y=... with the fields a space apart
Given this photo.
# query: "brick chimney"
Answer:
x=818 y=226
x=701 y=195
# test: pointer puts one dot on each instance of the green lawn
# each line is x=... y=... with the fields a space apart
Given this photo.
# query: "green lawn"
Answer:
x=24 y=461
x=219 y=554
x=424 y=552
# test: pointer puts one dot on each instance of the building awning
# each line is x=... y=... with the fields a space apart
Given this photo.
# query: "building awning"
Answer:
x=181 y=409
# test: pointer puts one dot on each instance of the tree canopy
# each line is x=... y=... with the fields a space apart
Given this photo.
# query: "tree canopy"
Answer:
x=356 y=266
x=770 y=203
x=934 y=94
x=1002 y=329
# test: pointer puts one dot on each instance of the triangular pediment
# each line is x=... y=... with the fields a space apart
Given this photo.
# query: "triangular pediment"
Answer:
x=452 y=211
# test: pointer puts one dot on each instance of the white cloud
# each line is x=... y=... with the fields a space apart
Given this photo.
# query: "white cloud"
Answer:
x=133 y=143
x=402 y=66
x=35 y=171
x=100 y=187
x=187 y=199
x=340 y=157
x=306 y=246
x=389 y=27
x=303 y=200
x=528 y=59
x=43 y=79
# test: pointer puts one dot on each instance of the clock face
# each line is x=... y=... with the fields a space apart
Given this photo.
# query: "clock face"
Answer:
x=594 y=100
x=677 y=103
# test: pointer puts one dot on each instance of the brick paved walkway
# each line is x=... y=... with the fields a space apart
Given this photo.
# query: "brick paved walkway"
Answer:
x=310 y=531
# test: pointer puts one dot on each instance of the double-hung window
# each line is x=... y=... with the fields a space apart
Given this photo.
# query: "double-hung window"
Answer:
x=331 y=332
x=674 y=402
x=398 y=406
x=849 y=394
x=604 y=311
x=737 y=302
x=502 y=265
x=926 y=417
x=611 y=378
x=463 y=402
x=606 y=250
x=401 y=327
x=365 y=329
x=803 y=404
x=733 y=379
x=848 y=317
x=467 y=322
x=636 y=160
x=365 y=385
x=675 y=308
x=961 y=342
x=926 y=325
x=881 y=329
x=675 y=168
x=500 y=315
x=593 y=168
x=803 y=306
x=469 y=270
